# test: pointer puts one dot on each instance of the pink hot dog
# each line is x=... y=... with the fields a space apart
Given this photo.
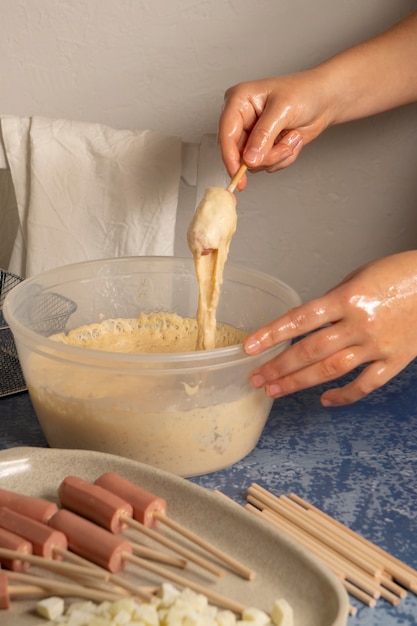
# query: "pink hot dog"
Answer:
x=36 y=508
x=45 y=541
x=144 y=503
x=95 y=503
x=11 y=541
x=92 y=542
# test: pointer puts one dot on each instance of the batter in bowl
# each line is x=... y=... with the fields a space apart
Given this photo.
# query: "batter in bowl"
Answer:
x=149 y=333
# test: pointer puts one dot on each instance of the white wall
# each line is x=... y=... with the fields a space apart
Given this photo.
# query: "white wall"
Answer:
x=165 y=64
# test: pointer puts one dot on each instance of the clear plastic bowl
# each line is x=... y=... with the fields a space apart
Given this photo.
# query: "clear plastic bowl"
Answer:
x=189 y=413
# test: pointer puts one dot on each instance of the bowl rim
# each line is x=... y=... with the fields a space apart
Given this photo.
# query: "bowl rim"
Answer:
x=213 y=357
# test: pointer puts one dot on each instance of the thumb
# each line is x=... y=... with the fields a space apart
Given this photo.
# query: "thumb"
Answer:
x=259 y=143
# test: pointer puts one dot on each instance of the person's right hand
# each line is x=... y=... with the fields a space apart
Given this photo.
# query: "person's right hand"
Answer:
x=265 y=123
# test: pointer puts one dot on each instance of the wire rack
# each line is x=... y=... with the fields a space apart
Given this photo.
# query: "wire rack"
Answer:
x=11 y=376
x=49 y=314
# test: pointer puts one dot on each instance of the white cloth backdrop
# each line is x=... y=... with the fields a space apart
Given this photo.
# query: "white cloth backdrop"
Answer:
x=76 y=191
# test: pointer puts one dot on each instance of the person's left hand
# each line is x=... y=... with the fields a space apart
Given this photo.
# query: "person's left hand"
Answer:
x=370 y=319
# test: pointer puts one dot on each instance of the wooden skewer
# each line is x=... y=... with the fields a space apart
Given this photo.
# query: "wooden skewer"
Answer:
x=352 y=610
x=25 y=590
x=351 y=547
x=389 y=583
x=165 y=574
x=8 y=592
x=77 y=569
x=232 y=563
x=340 y=566
x=324 y=537
x=236 y=178
x=156 y=555
x=115 y=579
x=359 y=595
x=63 y=588
x=175 y=547
x=255 y=511
x=60 y=567
x=349 y=539
x=386 y=575
x=402 y=572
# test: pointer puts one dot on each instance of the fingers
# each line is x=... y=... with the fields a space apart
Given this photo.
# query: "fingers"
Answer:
x=321 y=356
x=279 y=379
x=253 y=129
x=266 y=151
x=294 y=370
x=359 y=388
x=298 y=321
x=374 y=376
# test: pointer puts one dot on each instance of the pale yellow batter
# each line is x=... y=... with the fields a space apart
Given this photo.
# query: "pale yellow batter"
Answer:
x=123 y=415
x=189 y=422
x=148 y=333
x=209 y=236
x=186 y=422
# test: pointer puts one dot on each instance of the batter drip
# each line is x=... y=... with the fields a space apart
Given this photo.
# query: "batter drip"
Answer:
x=209 y=236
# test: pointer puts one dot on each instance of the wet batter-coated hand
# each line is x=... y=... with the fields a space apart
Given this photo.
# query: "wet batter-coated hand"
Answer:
x=265 y=123
x=369 y=319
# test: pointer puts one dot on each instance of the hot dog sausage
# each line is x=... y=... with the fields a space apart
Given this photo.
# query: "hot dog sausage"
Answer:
x=11 y=541
x=149 y=509
x=92 y=542
x=36 y=508
x=45 y=541
x=114 y=514
x=95 y=503
x=143 y=502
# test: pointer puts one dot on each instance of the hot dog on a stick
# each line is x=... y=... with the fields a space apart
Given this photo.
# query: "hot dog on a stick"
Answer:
x=21 y=547
x=51 y=543
x=102 y=547
x=149 y=509
x=111 y=511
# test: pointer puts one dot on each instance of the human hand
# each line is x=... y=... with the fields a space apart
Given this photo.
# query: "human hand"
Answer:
x=265 y=123
x=368 y=319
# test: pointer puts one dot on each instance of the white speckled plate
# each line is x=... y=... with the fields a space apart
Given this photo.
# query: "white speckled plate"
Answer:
x=283 y=568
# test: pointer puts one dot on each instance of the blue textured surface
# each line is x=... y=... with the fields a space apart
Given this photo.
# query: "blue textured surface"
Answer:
x=357 y=463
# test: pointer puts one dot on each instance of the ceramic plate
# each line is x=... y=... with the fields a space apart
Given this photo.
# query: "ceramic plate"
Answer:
x=283 y=569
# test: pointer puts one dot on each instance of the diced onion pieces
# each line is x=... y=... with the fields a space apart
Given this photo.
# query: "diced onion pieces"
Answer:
x=256 y=616
x=50 y=608
x=282 y=613
x=171 y=607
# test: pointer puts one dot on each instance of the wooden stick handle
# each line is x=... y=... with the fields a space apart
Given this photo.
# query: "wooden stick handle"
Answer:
x=213 y=596
x=176 y=547
x=228 y=560
x=236 y=178
x=61 y=588
x=59 y=567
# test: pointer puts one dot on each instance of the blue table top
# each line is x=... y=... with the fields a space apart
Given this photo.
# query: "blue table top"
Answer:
x=357 y=463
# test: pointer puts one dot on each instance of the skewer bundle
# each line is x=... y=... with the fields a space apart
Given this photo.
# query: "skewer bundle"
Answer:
x=366 y=571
